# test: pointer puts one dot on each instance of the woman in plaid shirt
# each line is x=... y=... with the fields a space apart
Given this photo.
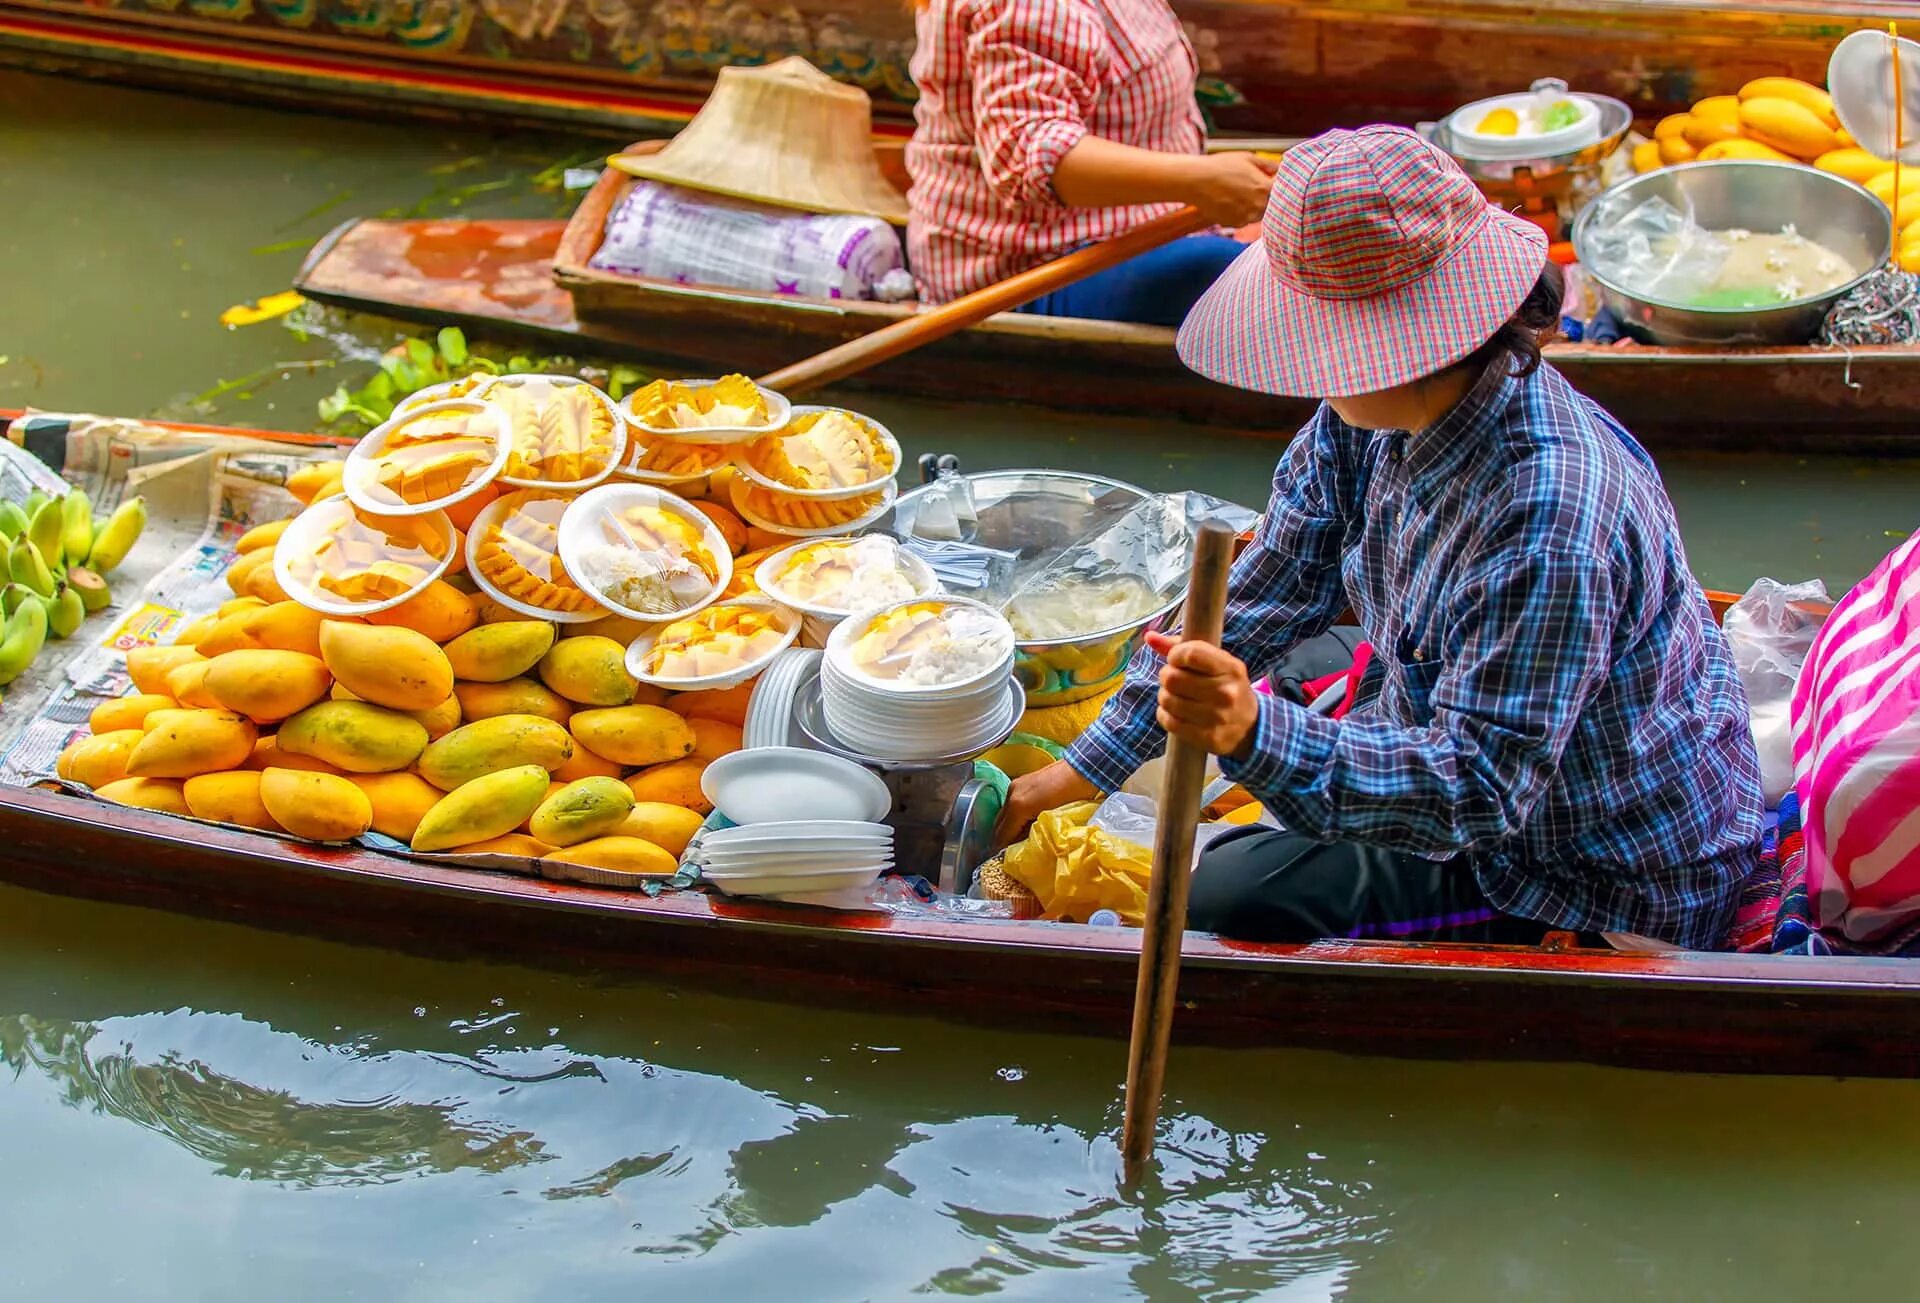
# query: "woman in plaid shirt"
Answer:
x=1558 y=738
x=1045 y=125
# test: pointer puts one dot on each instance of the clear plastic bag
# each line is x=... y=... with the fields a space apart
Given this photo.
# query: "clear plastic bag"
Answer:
x=1654 y=250
x=1770 y=630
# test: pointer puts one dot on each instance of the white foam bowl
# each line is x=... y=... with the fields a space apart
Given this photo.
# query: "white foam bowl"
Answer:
x=779 y=413
x=840 y=654
x=784 y=832
x=776 y=785
x=822 y=620
x=782 y=885
x=518 y=380
x=640 y=648
x=838 y=493
x=580 y=531
x=365 y=491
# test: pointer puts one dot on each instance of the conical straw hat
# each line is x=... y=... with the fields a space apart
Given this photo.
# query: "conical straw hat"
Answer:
x=784 y=134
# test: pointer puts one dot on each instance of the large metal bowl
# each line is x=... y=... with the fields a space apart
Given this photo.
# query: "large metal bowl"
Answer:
x=1758 y=196
x=1035 y=512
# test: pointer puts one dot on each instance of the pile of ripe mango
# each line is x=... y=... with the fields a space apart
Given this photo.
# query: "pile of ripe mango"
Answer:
x=448 y=722
x=1787 y=121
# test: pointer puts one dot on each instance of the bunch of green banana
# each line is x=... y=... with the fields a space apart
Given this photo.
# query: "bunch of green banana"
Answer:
x=21 y=638
x=53 y=558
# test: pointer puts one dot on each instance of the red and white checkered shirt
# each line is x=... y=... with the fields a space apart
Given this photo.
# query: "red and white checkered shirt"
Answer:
x=1007 y=87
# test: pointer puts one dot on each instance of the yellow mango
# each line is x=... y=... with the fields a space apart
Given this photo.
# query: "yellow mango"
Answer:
x=494 y=653
x=1646 y=156
x=1726 y=107
x=264 y=584
x=240 y=573
x=1711 y=128
x=621 y=854
x=514 y=843
x=1741 y=147
x=584 y=764
x=98 y=758
x=319 y=807
x=229 y=632
x=400 y=801
x=633 y=735
x=592 y=807
x=669 y=827
x=1671 y=127
x=182 y=743
x=1675 y=149
x=494 y=612
x=148 y=667
x=674 y=783
x=1787 y=125
x=268 y=755
x=648 y=694
x=194 y=630
x=441 y=719
x=187 y=684
x=729 y=705
x=230 y=796
x=389 y=666
x=263 y=536
x=266 y=686
x=356 y=736
x=489 y=745
x=285 y=626
x=439 y=611
x=128 y=712
x=316 y=480
x=147 y=794
x=521 y=696
x=1882 y=185
x=1844 y=138
x=589 y=671
x=713 y=738
x=490 y=806
x=1856 y=165
x=1807 y=96
x=617 y=627
x=237 y=605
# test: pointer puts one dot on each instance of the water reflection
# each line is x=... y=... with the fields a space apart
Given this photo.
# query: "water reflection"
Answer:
x=519 y=1134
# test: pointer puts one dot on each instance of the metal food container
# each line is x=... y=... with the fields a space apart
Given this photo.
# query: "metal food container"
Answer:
x=1038 y=512
x=1755 y=195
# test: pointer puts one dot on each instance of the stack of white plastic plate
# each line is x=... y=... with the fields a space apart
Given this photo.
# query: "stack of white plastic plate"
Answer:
x=809 y=826
x=770 y=710
x=871 y=688
x=800 y=858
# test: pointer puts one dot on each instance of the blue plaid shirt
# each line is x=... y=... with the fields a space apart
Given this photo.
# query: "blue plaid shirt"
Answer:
x=1557 y=702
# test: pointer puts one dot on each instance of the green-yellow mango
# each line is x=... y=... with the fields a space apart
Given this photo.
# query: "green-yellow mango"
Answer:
x=589 y=671
x=489 y=745
x=591 y=807
x=494 y=653
x=356 y=736
x=482 y=808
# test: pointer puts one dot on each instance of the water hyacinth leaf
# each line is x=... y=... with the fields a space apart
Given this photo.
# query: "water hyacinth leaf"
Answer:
x=421 y=354
x=453 y=345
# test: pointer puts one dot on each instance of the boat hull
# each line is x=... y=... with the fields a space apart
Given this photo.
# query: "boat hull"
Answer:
x=1770 y=1014
x=643 y=65
x=496 y=277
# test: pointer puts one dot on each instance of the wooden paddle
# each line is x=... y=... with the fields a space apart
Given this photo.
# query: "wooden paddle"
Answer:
x=1166 y=920
x=936 y=323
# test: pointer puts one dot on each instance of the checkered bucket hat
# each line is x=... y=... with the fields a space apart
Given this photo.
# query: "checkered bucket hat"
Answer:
x=1379 y=262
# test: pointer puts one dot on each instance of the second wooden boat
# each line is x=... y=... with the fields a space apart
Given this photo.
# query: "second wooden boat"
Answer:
x=498 y=277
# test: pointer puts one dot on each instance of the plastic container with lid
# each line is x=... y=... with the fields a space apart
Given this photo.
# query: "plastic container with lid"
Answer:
x=567 y=434
x=338 y=559
x=428 y=457
x=643 y=553
x=825 y=454
x=729 y=410
x=924 y=646
x=513 y=553
x=827 y=580
x=782 y=513
x=718 y=646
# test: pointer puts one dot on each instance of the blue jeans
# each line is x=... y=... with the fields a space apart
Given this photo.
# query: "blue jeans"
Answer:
x=1155 y=288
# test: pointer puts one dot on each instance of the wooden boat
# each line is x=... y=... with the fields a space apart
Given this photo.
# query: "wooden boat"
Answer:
x=499 y=277
x=641 y=66
x=1718 y=1012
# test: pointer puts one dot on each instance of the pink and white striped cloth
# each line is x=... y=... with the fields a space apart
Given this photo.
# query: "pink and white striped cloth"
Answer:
x=1856 y=754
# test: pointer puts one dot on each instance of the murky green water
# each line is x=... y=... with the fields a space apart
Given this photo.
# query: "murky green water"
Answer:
x=198 y=1111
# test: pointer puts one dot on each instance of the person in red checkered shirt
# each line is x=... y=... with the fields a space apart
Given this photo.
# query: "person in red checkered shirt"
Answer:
x=1047 y=125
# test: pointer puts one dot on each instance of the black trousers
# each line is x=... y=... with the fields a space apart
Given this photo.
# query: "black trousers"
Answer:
x=1257 y=884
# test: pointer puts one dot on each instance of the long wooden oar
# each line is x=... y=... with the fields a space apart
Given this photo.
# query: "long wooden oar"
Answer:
x=1166 y=920
x=936 y=323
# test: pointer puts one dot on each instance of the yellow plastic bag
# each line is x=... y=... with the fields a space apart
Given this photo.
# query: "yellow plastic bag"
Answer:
x=1075 y=869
